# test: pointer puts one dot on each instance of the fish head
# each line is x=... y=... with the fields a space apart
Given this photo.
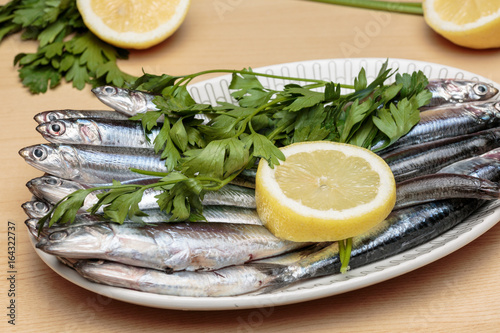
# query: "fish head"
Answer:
x=58 y=160
x=74 y=131
x=126 y=101
x=53 y=131
x=469 y=91
x=46 y=116
x=77 y=241
x=32 y=225
x=460 y=91
x=36 y=208
x=52 y=188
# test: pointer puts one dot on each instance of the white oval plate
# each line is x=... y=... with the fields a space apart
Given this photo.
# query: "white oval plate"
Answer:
x=337 y=70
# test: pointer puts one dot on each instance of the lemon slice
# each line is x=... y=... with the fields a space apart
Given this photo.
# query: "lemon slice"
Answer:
x=137 y=24
x=470 y=23
x=324 y=191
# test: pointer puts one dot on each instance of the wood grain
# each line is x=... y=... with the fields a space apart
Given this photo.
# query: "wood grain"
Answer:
x=455 y=294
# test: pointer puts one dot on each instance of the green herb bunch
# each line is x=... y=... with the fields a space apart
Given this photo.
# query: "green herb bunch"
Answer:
x=66 y=49
x=204 y=157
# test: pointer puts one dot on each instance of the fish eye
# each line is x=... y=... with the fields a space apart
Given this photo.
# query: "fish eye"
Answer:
x=39 y=153
x=40 y=206
x=52 y=181
x=51 y=117
x=109 y=90
x=57 y=128
x=58 y=235
x=480 y=89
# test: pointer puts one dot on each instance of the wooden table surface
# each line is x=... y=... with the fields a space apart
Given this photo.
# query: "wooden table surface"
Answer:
x=457 y=293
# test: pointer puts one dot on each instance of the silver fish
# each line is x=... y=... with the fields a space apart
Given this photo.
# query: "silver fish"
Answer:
x=451 y=91
x=52 y=115
x=132 y=102
x=229 y=281
x=402 y=230
x=93 y=164
x=441 y=186
x=168 y=246
x=429 y=157
x=445 y=122
x=125 y=101
x=53 y=189
x=102 y=132
x=482 y=166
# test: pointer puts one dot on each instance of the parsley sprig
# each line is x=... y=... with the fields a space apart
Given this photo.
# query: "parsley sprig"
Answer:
x=203 y=157
x=66 y=48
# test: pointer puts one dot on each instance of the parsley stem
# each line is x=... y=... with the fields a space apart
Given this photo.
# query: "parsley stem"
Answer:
x=188 y=78
x=414 y=8
x=256 y=112
x=345 y=248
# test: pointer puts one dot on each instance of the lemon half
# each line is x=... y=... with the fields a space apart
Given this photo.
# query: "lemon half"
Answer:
x=137 y=24
x=470 y=23
x=324 y=191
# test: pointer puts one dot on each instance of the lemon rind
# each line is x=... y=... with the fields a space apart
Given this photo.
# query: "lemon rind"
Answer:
x=132 y=39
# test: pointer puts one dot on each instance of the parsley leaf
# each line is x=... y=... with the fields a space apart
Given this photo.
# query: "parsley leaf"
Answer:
x=66 y=49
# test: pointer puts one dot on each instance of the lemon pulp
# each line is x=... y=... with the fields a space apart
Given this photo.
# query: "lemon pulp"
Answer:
x=324 y=191
x=133 y=23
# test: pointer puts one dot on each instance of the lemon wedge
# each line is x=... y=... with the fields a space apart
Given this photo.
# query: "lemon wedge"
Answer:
x=470 y=23
x=136 y=24
x=324 y=191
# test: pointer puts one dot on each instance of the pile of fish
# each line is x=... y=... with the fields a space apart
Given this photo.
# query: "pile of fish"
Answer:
x=446 y=167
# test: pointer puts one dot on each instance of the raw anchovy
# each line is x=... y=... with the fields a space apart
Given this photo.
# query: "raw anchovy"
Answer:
x=229 y=281
x=53 y=189
x=402 y=230
x=93 y=164
x=429 y=157
x=486 y=166
x=231 y=195
x=211 y=214
x=102 y=132
x=131 y=102
x=447 y=122
x=126 y=101
x=52 y=115
x=450 y=91
x=440 y=186
x=168 y=246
